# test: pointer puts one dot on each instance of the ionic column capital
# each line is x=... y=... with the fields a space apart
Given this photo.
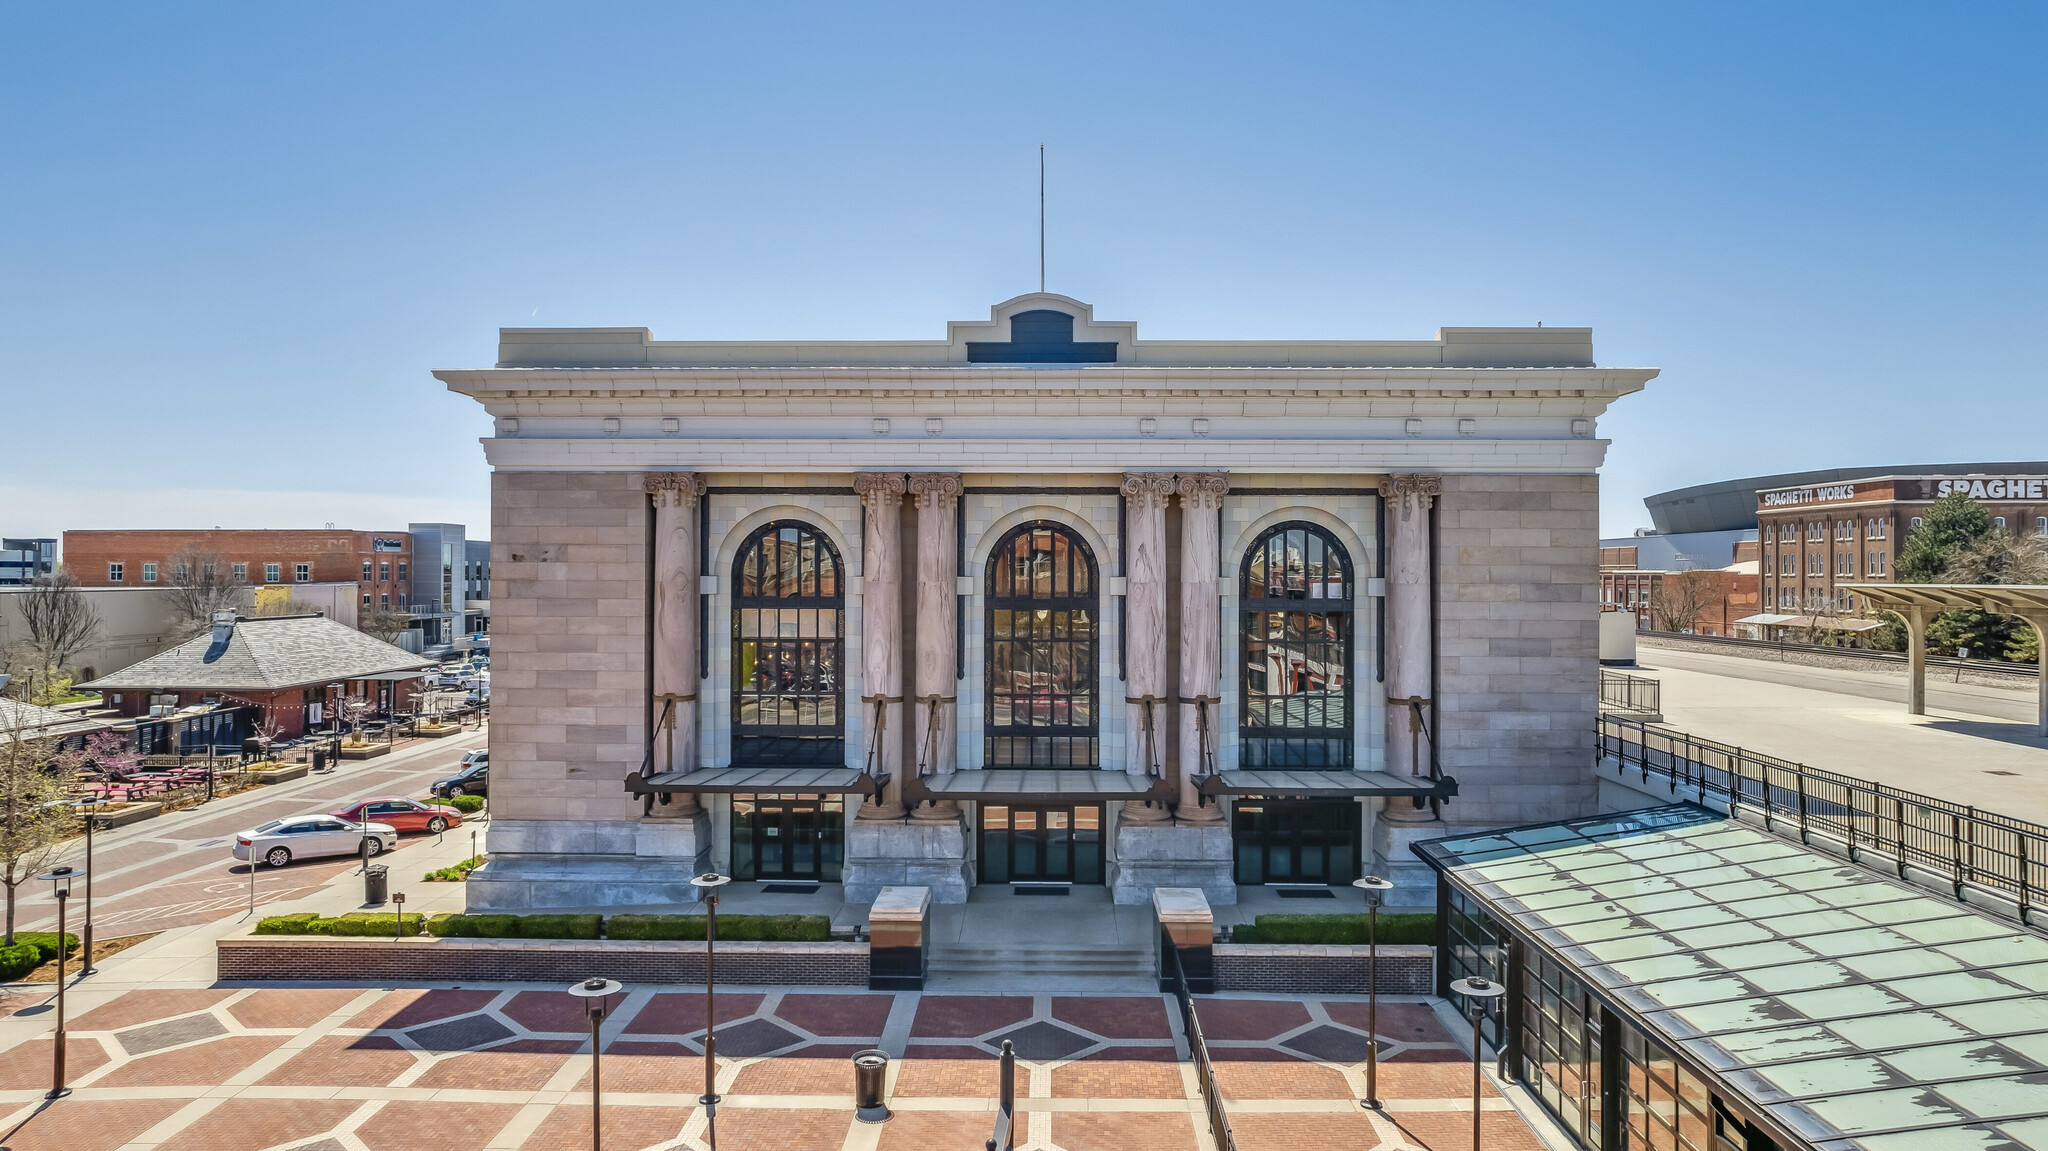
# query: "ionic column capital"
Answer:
x=1413 y=491
x=1148 y=491
x=874 y=487
x=935 y=489
x=1201 y=490
x=673 y=489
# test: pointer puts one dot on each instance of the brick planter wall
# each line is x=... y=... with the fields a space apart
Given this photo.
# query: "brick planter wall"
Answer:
x=1405 y=969
x=316 y=957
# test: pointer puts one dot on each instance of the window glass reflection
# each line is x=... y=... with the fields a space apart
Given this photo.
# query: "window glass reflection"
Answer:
x=1042 y=650
x=1296 y=596
x=788 y=648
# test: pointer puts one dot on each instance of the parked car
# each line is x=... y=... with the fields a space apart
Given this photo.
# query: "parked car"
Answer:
x=402 y=813
x=311 y=836
x=472 y=779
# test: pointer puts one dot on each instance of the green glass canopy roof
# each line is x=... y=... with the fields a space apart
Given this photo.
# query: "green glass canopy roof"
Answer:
x=1852 y=1009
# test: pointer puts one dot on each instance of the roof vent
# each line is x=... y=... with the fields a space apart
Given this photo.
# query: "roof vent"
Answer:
x=223 y=626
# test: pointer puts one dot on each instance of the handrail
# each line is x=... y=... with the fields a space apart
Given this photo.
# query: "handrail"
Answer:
x=1198 y=1047
x=1953 y=840
x=1630 y=692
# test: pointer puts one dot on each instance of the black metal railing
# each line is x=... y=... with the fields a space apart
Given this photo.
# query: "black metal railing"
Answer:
x=1960 y=842
x=1624 y=692
x=1198 y=1047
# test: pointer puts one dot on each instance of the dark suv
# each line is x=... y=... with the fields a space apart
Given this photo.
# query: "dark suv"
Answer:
x=473 y=779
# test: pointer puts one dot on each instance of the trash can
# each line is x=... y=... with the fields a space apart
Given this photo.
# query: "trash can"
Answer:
x=319 y=759
x=376 y=884
x=869 y=1068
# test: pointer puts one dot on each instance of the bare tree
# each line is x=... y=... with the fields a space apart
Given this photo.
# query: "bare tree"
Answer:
x=59 y=620
x=200 y=585
x=354 y=710
x=34 y=821
x=1679 y=599
x=384 y=624
x=1999 y=557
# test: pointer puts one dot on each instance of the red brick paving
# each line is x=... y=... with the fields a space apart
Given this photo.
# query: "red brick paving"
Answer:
x=1452 y=1130
x=342 y=1061
x=551 y=1011
x=294 y=1007
x=776 y=1130
x=837 y=1015
x=264 y=1122
x=966 y=1016
x=1407 y=1022
x=146 y=1006
x=948 y=1071
x=784 y=1075
x=1116 y=1018
x=1121 y=1073
x=1268 y=1078
x=1248 y=1018
x=439 y=1126
x=1114 y=1131
x=1413 y=1079
x=631 y=1066
x=930 y=1130
x=1293 y=1132
x=202 y=1066
x=29 y=1066
x=680 y=1013
x=413 y=1006
x=103 y=1126
x=500 y=1068
x=567 y=1128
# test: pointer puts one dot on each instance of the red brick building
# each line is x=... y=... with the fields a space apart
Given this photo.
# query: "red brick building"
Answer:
x=1727 y=594
x=379 y=563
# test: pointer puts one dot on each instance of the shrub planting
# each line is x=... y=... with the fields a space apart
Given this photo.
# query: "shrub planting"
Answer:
x=17 y=961
x=457 y=873
x=737 y=928
x=355 y=923
x=466 y=804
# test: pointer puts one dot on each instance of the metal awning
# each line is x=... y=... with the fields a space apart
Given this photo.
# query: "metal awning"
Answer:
x=1812 y=622
x=729 y=780
x=1288 y=784
x=1915 y=603
x=1038 y=785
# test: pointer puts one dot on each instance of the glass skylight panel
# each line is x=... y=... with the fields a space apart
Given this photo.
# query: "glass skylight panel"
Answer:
x=1807 y=923
x=1901 y=964
x=1686 y=992
x=1959 y=1061
x=1977 y=1138
x=1955 y=929
x=1956 y=987
x=1841 y=1002
x=2007 y=948
x=1742 y=1048
x=1908 y=1028
x=1799 y=977
x=2009 y=1097
x=1742 y=1015
x=1722 y=935
x=1655 y=967
x=1877 y=1111
x=1759 y=955
x=1859 y=942
x=1827 y=1077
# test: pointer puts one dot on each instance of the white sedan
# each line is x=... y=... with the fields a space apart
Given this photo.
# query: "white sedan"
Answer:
x=311 y=836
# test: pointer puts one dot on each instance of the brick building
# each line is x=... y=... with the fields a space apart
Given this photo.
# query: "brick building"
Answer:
x=379 y=564
x=1717 y=598
x=1816 y=536
x=1038 y=602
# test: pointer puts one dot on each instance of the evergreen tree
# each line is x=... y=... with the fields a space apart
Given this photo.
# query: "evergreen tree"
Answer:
x=1954 y=523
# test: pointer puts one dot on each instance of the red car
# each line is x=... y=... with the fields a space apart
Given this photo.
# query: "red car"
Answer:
x=402 y=814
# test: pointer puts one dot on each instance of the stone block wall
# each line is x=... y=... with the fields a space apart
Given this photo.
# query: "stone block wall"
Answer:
x=1518 y=645
x=569 y=556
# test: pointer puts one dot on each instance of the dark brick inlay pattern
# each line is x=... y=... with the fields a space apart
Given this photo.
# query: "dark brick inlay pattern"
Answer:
x=1044 y=1041
x=157 y=1036
x=755 y=1037
x=465 y=1034
x=1330 y=1044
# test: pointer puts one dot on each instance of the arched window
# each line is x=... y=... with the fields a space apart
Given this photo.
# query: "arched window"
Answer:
x=1296 y=597
x=1043 y=624
x=788 y=642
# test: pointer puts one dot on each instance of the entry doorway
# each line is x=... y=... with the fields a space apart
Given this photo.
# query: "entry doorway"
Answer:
x=1295 y=840
x=1041 y=843
x=790 y=838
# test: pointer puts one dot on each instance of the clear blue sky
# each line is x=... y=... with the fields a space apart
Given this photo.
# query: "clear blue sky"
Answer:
x=237 y=238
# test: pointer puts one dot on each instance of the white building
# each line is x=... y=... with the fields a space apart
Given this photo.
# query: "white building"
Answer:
x=1039 y=602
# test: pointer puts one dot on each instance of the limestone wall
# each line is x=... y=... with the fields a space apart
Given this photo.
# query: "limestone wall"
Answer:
x=1518 y=635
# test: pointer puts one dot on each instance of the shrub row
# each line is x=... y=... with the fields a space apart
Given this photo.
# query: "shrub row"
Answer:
x=1309 y=930
x=466 y=804
x=736 y=928
x=17 y=961
x=456 y=874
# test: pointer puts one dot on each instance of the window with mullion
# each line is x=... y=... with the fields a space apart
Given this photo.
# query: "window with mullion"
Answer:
x=788 y=629
x=1295 y=676
x=1043 y=627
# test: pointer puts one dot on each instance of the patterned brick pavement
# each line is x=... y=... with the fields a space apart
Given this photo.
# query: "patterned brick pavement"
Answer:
x=508 y=1069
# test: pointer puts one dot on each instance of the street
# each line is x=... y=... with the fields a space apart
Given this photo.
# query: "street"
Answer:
x=176 y=870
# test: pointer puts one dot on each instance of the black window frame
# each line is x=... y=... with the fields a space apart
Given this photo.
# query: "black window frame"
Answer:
x=800 y=744
x=1258 y=742
x=1069 y=746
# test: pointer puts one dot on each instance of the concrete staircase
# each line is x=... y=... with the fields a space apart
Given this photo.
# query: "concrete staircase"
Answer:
x=1002 y=942
x=1030 y=965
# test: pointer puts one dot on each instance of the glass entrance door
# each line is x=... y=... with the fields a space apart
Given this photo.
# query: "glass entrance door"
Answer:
x=787 y=837
x=1041 y=844
x=1295 y=840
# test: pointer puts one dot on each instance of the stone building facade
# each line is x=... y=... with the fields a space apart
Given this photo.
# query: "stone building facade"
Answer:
x=1037 y=603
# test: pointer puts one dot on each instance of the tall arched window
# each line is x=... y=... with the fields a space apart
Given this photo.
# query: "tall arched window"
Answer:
x=788 y=641
x=1043 y=623
x=1296 y=597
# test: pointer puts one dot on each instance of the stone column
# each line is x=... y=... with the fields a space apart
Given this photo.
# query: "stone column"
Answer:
x=676 y=674
x=1145 y=495
x=1410 y=654
x=1201 y=495
x=938 y=589
x=881 y=635
x=679 y=831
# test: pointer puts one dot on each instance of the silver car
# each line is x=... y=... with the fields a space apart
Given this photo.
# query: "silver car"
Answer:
x=311 y=836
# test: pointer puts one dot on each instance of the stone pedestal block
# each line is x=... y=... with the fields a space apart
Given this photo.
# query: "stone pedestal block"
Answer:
x=1393 y=858
x=541 y=864
x=682 y=841
x=907 y=853
x=1150 y=856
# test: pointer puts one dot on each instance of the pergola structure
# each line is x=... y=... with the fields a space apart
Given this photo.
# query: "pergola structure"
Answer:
x=1916 y=603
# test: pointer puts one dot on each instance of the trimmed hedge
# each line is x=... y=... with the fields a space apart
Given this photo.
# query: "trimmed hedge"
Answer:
x=45 y=942
x=456 y=874
x=737 y=928
x=515 y=926
x=18 y=960
x=466 y=804
x=1309 y=930
x=355 y=923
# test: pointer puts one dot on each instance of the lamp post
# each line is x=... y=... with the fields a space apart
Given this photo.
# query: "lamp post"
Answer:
x=85 y=935
x=61 y=877
x=709 y=883
x=1374 y=888
x=1478 y=991
x=596 y=994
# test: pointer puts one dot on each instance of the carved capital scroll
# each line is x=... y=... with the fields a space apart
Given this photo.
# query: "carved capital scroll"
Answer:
x=935 y=490
x=1148 y=491
x=674 y=489
x=874 y=487
x=1202 y=491
x=1412 y=491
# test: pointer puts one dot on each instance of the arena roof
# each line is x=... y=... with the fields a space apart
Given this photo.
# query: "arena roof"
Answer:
x=1725 y=505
